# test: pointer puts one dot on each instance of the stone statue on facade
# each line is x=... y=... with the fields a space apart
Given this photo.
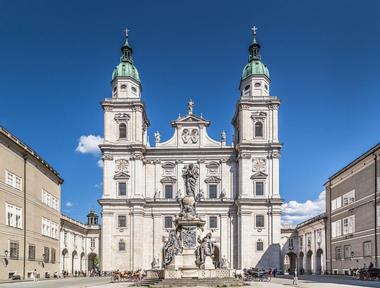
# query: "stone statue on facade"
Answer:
x=171 y=248
x=157 y=137
x=156 y=262
x=224 y=262
x=156 y=194
x=205 y=248
x=190 y=175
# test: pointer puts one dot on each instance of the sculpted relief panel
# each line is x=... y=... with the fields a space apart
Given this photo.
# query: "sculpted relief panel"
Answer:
x=259 y=165
x=190 y=136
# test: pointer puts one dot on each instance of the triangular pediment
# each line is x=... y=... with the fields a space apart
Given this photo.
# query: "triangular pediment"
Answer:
x=212 y=179
x=191 y=119
x=168 y=179
x=121 y=175
x=259 y=175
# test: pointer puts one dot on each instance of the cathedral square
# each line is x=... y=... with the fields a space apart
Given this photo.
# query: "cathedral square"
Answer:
x=182 y=199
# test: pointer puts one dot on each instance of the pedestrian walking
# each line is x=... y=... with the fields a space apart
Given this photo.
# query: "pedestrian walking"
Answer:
x=295 y=278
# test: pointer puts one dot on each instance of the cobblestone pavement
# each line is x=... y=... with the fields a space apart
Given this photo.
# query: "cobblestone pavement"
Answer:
x=80 y=282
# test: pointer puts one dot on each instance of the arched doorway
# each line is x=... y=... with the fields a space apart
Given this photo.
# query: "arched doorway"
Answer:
x=290 y=262
x=318 y=262
x=65 y=258
x=91 y=261
x=82 y=264
x=308 y=267
x=74 y=261
x=300 y=263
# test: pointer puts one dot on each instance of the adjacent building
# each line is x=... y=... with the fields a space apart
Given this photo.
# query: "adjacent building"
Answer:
x=353 y=211
x=80 y=245
x=238 y=184
x=30 y=193
x=304 y=247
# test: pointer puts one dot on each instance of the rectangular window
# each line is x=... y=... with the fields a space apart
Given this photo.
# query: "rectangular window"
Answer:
x=336 y=203
x=349 y=225
x=338 y=253
x=92 y=243
x=367 y=248
x=349 y=198
x=260 y=246
x=122 y=188
x=291 y=243
x=347 y=251
x=168 y=191
x=168 y=222
x=213 y=222
x=52 y=255
x=13 y=180
x=32 y=252
x=259 y=221
x=121 y=245
x=259 y=188
x=336 y=228
x=46 y=255
x=13 y=215
x=212 y=191
x=122 y=221
x=13 y=249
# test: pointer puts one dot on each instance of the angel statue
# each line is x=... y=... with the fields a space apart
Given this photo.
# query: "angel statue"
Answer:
x=172 y=247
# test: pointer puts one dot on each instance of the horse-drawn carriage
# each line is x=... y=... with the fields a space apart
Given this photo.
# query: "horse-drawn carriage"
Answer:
x=253 y=274
x=134 y=276
x=367 y=274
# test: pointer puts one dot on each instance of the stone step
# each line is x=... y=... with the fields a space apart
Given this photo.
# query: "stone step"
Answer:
x=209 y=282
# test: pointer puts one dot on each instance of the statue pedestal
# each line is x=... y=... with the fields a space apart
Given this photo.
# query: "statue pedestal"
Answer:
x=208 y=263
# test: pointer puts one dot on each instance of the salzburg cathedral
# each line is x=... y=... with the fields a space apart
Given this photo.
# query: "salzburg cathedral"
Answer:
x=232 y=190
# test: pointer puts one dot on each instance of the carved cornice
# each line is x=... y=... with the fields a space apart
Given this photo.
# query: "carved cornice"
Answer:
x=107 y=157
x=121 y=118
x=244 y=156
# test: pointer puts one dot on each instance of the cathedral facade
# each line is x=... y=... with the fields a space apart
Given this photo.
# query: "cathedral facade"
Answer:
x=237 y=186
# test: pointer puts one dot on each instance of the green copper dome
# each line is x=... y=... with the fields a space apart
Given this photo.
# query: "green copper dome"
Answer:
x=126 y=67
x=254 y=65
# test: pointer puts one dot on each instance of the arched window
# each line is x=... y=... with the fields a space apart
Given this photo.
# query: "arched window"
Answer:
x=259 y=129
x=122 y=131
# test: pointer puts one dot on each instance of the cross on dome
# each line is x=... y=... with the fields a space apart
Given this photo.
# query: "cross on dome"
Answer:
x=126 y=32
x=254 y=29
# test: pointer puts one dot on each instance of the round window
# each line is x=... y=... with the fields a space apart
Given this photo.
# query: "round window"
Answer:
x=257 y=84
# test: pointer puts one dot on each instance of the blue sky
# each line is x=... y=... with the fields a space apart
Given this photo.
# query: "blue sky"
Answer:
x=56 y=60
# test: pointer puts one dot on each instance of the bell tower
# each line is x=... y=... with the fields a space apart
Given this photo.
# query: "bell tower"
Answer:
x=258 y=152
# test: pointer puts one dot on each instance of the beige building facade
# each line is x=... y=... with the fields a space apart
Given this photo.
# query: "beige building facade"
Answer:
x=30 y=193
x=304 y=247
x=353 y=210
x=80 y=245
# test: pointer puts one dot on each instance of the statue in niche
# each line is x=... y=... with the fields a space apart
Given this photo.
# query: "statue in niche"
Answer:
x=205 y=248
x=171 y=248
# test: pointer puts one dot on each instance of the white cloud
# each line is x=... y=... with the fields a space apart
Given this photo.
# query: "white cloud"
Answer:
x=89 y=144
x=69 y=204
x=294 y=212
x=100 y=163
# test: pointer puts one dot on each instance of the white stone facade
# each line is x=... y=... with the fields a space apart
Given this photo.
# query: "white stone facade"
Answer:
x=79 y=246
x=238 y=184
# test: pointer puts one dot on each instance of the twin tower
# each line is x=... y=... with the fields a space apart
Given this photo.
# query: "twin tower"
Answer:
x=237 y=187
